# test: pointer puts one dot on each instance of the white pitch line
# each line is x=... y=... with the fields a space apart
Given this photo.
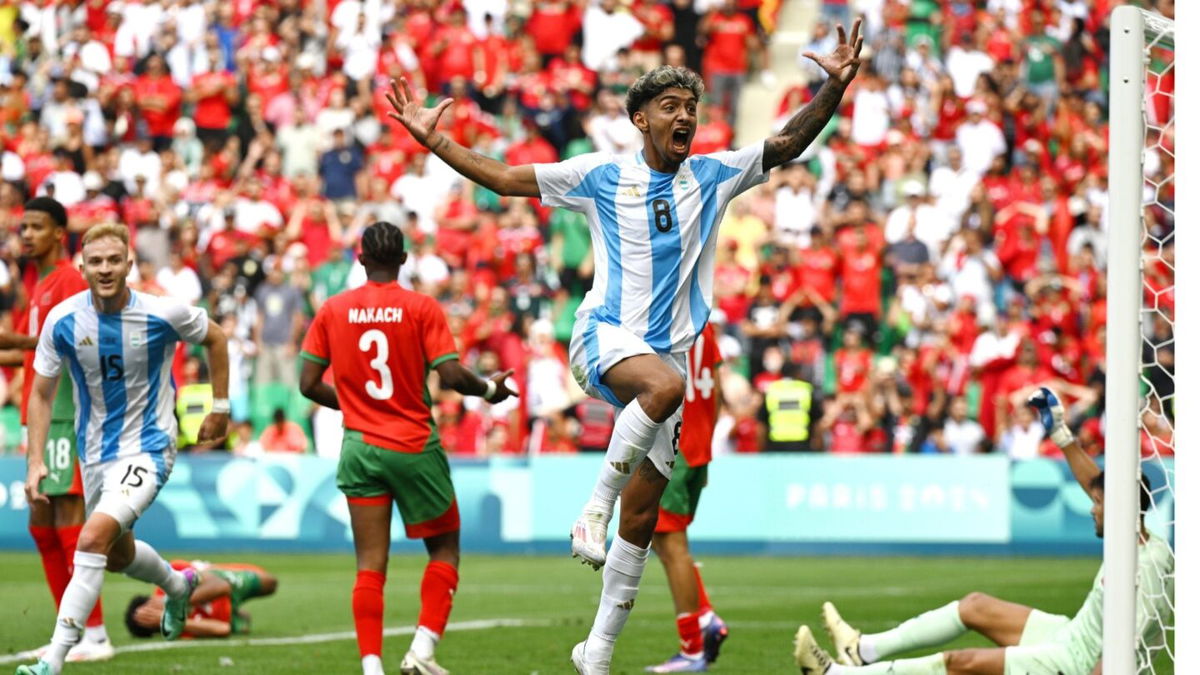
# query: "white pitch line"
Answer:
x=480 y=624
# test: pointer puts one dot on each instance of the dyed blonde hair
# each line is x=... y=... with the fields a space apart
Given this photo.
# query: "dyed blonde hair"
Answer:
x=114 y=230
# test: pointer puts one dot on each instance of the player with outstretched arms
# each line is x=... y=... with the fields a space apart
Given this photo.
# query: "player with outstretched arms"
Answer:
x=653 y=221
x=381 y=341
x=1029 y=641
x=55 y=524
x=701 y=631
x=117 y=344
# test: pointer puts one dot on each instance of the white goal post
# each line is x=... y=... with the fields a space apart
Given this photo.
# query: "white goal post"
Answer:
x=1137 y=127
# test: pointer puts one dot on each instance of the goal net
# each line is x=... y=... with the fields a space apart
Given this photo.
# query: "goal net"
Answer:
x=1140 y=387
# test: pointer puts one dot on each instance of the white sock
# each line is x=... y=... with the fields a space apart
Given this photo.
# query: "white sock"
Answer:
x=934 y=664
x=423 y=643
x=622 y=574
x=935 y=627
x=632 y=438
x=150 y=567
x=706 y=619
x=372 y=665
x=95 y=633
x=77 y=602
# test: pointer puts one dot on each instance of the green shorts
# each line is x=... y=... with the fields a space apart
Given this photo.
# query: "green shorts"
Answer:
x=1042 y=651
x=419 y=483
x=677 y=508
x=62 y=461
x=245 y=583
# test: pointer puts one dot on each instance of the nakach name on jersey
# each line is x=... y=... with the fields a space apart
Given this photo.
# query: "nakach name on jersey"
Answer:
x=61 y=282
x=654 y=235
x=700 y=399
x=121 y=367
x=381 y=341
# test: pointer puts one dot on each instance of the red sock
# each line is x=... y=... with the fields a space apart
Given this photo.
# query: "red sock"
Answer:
x=368 y=611
x=437 y=595
x=705 y=605
x=54 y=561
x=691 y=642
x=68 y=537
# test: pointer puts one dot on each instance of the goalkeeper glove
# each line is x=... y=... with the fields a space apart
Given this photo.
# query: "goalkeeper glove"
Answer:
x=1053 y=416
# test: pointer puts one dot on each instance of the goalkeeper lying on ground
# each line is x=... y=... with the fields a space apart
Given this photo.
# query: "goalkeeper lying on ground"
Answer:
x=1030 y=642
x=216 y=609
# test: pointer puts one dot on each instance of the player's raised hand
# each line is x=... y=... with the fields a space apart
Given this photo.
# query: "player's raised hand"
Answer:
x=33 y=481
x=843 y=62
x=1052 y=415
x=213 y=430
x=419 y=120
x=502 y=389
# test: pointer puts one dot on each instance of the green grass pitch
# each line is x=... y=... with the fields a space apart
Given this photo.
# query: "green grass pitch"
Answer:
x=551 y=601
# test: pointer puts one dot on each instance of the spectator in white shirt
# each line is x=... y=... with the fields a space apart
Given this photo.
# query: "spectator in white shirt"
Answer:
x=610 y=130
x=63 y=184
x=966 y=62
x=605 y=31
x=951 y=185
x=964 y=435
x=1089 y=232
x=252 y=213
x=871 y=120
x=795 y=207
x=140 y=160
x=1024 y=436
x=979 y=139
x=972 y=269
x=179 y=280
x=932 y=227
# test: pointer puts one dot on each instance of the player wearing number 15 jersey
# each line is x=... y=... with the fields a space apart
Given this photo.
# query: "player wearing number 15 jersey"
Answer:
x=381 y=342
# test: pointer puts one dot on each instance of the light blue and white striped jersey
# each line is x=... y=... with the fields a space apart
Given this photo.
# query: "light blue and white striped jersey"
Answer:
x=653 y=235
x=121 y=367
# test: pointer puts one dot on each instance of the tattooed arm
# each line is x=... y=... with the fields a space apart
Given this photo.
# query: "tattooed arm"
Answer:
x=842 y=65
x=804 y=126
x=512 y=181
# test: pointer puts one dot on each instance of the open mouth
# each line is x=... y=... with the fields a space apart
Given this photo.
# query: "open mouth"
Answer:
x=679 y=140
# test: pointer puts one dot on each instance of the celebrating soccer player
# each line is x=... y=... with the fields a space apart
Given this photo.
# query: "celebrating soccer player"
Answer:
x=381 y=341
x=118 y=343
x=653 y=221
x=216 y=608
x=701 y=631
x=55 y=523
x=1028 y=640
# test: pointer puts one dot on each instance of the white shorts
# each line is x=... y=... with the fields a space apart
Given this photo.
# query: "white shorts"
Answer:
x=596 y=347
x=1042 y=651
x=125 y=487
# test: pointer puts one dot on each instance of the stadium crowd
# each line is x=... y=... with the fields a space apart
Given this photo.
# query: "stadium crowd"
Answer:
x=899 y=289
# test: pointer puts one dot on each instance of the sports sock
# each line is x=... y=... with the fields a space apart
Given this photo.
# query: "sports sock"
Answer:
x=54 y=560
x=424 y=642
x=934 y=664
x=149 y=566
x=372 y=665
x=367 y=602
x=77 y=601
x=935 y=627
x=705 y=606
x=437 y=597
x=68 y=537
x=632 y=438
x=96 y=633
x=691 y=640
x=622 y=574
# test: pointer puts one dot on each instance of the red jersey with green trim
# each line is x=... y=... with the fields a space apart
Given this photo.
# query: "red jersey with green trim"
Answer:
x=381 y=340
x=63 y=281
x=700 y=399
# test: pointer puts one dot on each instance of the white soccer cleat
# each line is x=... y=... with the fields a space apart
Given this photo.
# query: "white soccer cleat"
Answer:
x=35 y=654
x=589 y=537
x=845 y=637
x=579 y=660
x=91 y=650
x=809 y=656
x=415 y=665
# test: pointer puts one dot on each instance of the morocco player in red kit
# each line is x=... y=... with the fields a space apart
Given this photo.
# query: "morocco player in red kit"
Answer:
x=55 y=524
x=701 y=631
x=381 y=342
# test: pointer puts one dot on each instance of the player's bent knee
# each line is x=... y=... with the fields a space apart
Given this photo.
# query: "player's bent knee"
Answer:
x=664 y=396
x=974 y=607
x=268 y=583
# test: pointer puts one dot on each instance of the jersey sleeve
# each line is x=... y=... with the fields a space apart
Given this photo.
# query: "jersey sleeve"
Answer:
x=47 y=359
x=747 y=163
x=316 y=341
x=190 y=323
x=438 y=342
x=711 y=346
x=565 y=184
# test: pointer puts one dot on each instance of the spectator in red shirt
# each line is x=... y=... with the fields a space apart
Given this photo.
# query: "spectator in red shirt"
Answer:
x=457 y=51
x=862 y=279
x=731 y=38
x=553 y=25
x=158 y=101
x=213 y=93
